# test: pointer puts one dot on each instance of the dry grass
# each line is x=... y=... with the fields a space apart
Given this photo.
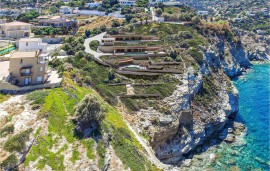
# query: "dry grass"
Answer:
x=95 y=22
x=14 y=109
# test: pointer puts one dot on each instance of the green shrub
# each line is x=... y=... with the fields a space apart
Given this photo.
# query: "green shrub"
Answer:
x=197 y=55
x=101 y=151
x=94 y=45
x=89 y=144
x=126 y=151
x=8 y=129
x=17 y=142
x=10 y=162
x=38 y=96
x=207 y=93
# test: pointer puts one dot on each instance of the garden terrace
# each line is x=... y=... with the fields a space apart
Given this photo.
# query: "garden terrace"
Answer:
x=153 y=71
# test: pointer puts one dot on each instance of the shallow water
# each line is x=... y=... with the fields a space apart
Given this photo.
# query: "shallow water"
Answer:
x=254 y=91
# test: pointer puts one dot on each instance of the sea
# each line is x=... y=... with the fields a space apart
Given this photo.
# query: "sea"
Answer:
x=254 y=108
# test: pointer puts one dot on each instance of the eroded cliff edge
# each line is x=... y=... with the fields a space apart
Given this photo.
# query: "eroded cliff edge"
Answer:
x=201 y=105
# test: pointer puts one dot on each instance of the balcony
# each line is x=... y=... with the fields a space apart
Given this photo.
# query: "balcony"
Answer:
x=26 y=71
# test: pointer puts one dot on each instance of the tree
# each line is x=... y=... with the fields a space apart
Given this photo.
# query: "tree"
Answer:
x=111 y=75
x=141 y=20
x=115 y=23
x=89 y=111
x=53 y=9
x=79 y=54
x=87 y=33
x=103 y=28
x=155 y=52
x=146 y=19
x=158 y=12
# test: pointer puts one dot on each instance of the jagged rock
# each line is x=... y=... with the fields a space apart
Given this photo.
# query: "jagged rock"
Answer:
x=230 y=138
x=187 y=163
x=234 y=168
x=165 y=121
x=212 y=157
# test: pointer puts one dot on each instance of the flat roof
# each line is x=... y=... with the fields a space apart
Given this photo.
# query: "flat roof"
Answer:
x=17 y=23
x=29 y=39
x=18 y=54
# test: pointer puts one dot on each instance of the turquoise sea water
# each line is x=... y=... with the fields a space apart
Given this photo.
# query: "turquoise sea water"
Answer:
x=254 y=91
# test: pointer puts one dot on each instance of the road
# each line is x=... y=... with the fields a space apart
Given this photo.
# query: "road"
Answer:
x=89 y=50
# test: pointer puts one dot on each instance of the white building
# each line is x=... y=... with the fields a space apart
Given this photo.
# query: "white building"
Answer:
x=93 y=4
x=250 y=14
x=32 y=44
x=66 y=10
x=153 y=2
x=92 y=12
x=127 y=2
x=202 y=12
x=238 y=19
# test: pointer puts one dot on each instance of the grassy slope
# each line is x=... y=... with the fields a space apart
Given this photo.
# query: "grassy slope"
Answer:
x=123 y=141
x=3 y=97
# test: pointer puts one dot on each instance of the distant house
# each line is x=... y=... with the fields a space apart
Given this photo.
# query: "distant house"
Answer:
x=250 y=14
x=114 y=43
x=28 y=9
x=27 y=68
x=261 y=32
x=66 y=1
x=32 y=44
x=15 y=29
x=55 y=21
x=202 y=12
x=153 y=2
x=93 y=4
x=9 y=12
x=66 y=10
x=238 y=19
x=127 y=2
x=92 y=12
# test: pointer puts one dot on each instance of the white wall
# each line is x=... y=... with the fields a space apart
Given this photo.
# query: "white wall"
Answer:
x=32 y=46
x=92 y=12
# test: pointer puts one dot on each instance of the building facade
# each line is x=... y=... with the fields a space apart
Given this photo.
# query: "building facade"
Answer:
x=127 y=2
x=56 y=21
x=15 y=29
x=32 y=44
x=27 y=68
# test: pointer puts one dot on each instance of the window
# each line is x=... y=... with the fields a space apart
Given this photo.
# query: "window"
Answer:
x=26 y=44
x=40 y=68
x=39 y=79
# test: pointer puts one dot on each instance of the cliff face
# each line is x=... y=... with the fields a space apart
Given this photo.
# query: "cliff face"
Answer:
x=230 y=57
x=190 y=122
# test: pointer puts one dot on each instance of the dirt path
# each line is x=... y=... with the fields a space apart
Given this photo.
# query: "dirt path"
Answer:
x=150 y=153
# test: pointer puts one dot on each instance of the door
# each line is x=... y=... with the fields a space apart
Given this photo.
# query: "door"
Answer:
x=26 y=81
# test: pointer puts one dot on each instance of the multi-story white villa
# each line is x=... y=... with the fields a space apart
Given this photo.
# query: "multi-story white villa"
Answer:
x=15 y=29
x=32 y=44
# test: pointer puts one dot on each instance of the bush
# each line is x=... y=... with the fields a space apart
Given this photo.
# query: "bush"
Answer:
x=10 y=162
x=197 y=56
x=17 y=142
x=8 y=129
x=89 y=111
x=94 y=45
x=38 y=96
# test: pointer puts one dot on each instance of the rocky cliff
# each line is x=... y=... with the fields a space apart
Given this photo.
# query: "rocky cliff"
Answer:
x=199 y=107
